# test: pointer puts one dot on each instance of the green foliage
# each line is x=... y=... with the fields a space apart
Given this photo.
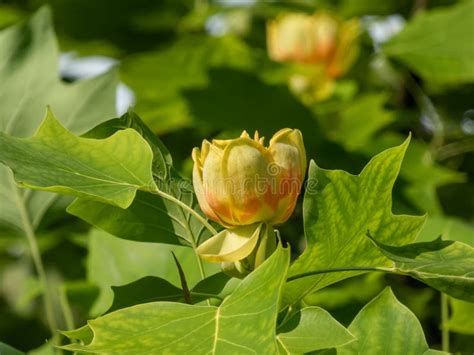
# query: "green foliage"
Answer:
x=445 y=265
x=339 y=208
x=110 y=170
x=172 y=327
x=143 y=218
x=296 y=333
x=438 y=44
x=28 y=68
x=386 y=326
x=131 y=261
x=150 y=217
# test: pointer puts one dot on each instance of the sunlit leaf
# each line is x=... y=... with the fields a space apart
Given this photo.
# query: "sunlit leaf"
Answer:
x=150 y=218
x=312 y=329
x=339 y=208
x=442 y=264
x=162 y=327
x=385 y=325
x=54 y=159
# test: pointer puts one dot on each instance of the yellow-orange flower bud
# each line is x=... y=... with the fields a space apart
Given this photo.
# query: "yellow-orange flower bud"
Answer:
x=310 y=39
x=241 y=182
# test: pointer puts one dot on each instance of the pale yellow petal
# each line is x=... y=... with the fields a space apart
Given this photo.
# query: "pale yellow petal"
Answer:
x=230 y=245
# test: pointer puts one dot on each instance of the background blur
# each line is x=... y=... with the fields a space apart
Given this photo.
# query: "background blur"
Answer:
x=200 y=69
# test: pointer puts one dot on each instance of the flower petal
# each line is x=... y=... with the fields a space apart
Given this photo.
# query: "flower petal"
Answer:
x=230 y=244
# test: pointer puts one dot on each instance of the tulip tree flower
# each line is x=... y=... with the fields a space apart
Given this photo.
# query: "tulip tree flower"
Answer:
x=323 y=44
x=247 y=188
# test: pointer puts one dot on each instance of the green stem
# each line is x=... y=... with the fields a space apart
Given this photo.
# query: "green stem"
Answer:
x=444 y=321
x=339 y=269
x=199 y=262
x=38 y=262
x=186 y=207
x=200 y=266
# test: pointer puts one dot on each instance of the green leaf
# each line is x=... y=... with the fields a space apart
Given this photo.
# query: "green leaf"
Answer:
x=158 y=78
x=8 y=350
x=462 y=317
x=109 y=170
x=445 y=265
x=144 y=290
x=28 y=68
x=385 y=325
x=312 y=329
x=162 y=161
x=163 y=327
x=438 y=44
x=420 y=169
x=338 y=210
x=152 y=289
x=117 y=262
x=150 y=218
x=219 y=284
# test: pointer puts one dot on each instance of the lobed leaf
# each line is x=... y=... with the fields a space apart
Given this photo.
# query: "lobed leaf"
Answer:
x=338 y=210
x=310 y=329
x=385 y=326
x=150 y=218
x=445 y=265
x=109 y=170
x=164 y=327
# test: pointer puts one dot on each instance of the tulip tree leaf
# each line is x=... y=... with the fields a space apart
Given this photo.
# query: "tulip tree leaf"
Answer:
x=385 y=326
x=144 y=290
x=150 y=218
x=338 y=210
x=132 y=261
x=110 y=170
x=438 y=44
x=152 y=289
x=162 y=161
x=162 y=327
x=445 y=265
x=28 y=68
x=312 y=329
